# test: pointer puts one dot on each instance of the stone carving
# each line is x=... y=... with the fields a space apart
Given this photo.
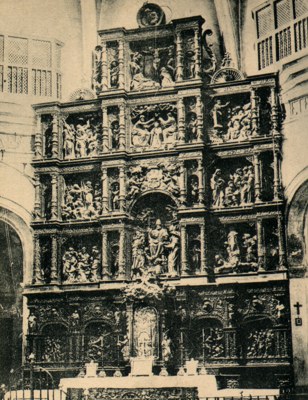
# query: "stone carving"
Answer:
x=96 y=346
x=81 y=139
x=209 y=60
x=189 y=57
x=154 y=127
x=156 y=251
x=165 y=348
x=81 y=266
x=124 y=348
x=113 y=62
x=97 y=73
x=81 y=201
x=32 y=323
x=261 y=344
x=241 y=257
x=239 y=190
x=53 y=350
x=163 y=176
x=145 y=332
x=239 y=127
x=152 y=68
x=213 y=342
x=142 y=394
x=150 y=15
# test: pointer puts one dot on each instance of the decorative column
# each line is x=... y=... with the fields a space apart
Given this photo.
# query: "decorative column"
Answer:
x=203 y=249
x=201 y=182
x=122 y=141
x=274 y=112
x=260 y=244
x=37 y=199
x=281 y=242
x=54 y=259
x=122 y=188
x=254 y=100
x=105 y=191
x=256 y=164
x=54 y=197
x=105 y=266
x=129 y=327
x=197 y=53
x=36 y=277
x=55 y=137
x=122 y=256
x=181 y=120
x=199 y=112
x=184 y=262
x=104 y=67
x=105 y=133
x=38 y=145
x=179 y=56
x=277 y=188
x=182 y=185
x=121 y=64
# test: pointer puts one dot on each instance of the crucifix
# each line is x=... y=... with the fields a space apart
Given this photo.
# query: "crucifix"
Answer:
x=298 y=306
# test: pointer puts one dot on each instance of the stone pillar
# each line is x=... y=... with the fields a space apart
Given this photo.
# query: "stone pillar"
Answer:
x=182 y=183
x=274 y=112
x=179 y=56
x=104 y=67
x=277 y=188
x=122 y=189
x=37 y=200
x=122 y=256
x=36 y=277
x=54 y=259
x=122 y=138
x=129 y=327
x=256 y=164
x=201 y=182
x=105 y=133
x=197 y=53
x=55 y=137
x=199 y=112
x=105 y=266
x=203 y=249
x=105 y=191
x=184 y=261
x=181 y=120
x=121 y=65
x=54 y=197
x=38 y=144
x=260 y=244
x=254 y=112
x=281 y=242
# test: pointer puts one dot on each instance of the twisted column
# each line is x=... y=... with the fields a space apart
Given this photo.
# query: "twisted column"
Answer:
x=181 y=120
x=121 y=65
x=203 y=249
x=281 y=242
x=274 y=112
x=182 y=185
x=36 y=277
x=105 y=266
x=55 y=137
x=277 y=186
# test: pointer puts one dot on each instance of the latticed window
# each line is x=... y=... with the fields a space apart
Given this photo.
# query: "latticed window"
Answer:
x=30 y=66
x=282 y=30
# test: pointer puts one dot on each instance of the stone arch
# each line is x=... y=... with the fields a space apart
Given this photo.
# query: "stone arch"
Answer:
x=297 y=221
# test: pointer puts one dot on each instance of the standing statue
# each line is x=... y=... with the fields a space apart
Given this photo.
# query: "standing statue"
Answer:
x=217 y=186
x=138 y=251
x=68 y=141
x=173 y=247
x=115 y=134
x=165 y=348
x=169 y=128
x=157 y=240
x=217 y=114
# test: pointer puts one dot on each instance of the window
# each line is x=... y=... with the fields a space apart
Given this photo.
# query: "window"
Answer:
x=30 y=66
x=282 y=30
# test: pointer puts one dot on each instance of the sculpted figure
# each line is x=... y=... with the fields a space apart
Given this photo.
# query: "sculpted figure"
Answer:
x=140 y=132
x=217 y=114
x=115 y=196
x=83 y=264
x=115 y=134
x=165 y=347
x=173 y=247
x=169 y=128
x=68 y=141
x=157 y=240
x=156 y=136
x=217 y=186
x=138 y=251
x=166 y=78
x=114 y=74
x=70 y=261
x=95 y=262
x=81 y=139
x=32 y=322
x=192 y=127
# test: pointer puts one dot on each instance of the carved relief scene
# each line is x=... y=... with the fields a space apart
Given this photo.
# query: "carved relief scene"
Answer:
x=152 y=64
x=81 y=135
x=156 y=240
x=154 y=126
x=240 y=118
x=81 y=259
x=82 y=197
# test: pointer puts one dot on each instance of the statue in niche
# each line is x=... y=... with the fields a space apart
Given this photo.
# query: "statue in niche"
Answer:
x=174 y=248
x=53 y=350
x=218 y=114
x=237 y=192
x=240 y=257
x=166 y=78
x=114 y=74
x=138 y=252
x=75 y=319
x=47 y=126
x=165 y=348
x=32 y=322
x=97 y=75
x=189 y=58
x=115 y=134
x=139 y=81
x=115 y=196
x=81 y=137
x=195 y=256
x=209 y=63
x=192 y=133
x=125 y=348
x=157 y=239
x=193 y=189
x=68 y=141
x=135 y=181
x=80 y=266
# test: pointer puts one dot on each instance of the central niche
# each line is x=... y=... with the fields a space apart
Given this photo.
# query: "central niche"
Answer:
x=156 y=239
x=145 y=332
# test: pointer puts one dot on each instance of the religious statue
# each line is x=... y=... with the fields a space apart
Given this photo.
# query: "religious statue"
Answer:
x=53 y=350
x=97 y=75
x=115 y=196
x=173 y=247
x=138 y=252
x=157 y=238
x=165 y=348
x=115 y=134
x=68 y=141
x=32 y=322
x=114 y=74
x=218 y=114
x=125 y=349
x=217 y=186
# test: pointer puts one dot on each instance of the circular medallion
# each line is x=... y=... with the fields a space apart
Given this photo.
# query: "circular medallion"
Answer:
x=150 y=15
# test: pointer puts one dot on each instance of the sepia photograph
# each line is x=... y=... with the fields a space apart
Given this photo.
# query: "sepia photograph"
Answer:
x=154 y=200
